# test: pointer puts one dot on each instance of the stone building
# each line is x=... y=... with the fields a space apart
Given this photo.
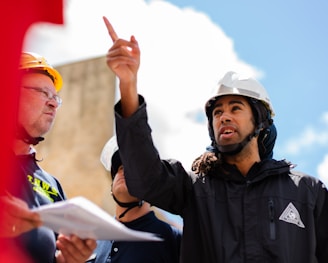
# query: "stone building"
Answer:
x=84 y=123
x=71 y=150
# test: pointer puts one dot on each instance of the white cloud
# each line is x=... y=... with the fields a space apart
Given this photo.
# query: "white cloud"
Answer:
x=309 y=138
x=183 y=55
x=323 y=170
x=324 y=118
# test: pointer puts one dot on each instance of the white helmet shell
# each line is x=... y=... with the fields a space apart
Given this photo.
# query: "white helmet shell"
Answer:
x=107 y=153
x=232 y=84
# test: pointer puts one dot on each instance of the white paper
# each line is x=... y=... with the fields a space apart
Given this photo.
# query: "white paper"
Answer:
x=85 y=219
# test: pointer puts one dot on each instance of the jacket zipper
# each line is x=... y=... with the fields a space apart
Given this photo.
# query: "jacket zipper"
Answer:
x=272 y=228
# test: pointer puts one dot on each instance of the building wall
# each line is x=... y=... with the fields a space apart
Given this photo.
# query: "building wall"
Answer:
x=84 y=123
x=71 y=150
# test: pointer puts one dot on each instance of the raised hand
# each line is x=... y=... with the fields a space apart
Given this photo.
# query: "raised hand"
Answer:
x=123 y=58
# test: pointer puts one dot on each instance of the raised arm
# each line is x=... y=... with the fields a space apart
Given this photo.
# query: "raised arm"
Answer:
x=123 y=58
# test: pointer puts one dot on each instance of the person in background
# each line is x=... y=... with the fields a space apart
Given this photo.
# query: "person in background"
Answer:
x=137 y=215
x=32 y=186
x=243 y=207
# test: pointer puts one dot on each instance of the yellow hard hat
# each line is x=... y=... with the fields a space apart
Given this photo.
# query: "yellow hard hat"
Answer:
x=30 y=60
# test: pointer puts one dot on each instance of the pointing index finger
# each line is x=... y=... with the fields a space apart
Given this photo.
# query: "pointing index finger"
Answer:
x=110 y=29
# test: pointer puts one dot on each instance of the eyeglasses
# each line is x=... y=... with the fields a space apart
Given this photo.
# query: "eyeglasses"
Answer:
x=47 y=94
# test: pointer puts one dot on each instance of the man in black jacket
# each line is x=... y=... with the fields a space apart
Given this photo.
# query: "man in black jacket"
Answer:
x=241 y=206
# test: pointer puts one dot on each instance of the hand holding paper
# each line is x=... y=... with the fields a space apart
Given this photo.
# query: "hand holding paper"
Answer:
x=81 y=217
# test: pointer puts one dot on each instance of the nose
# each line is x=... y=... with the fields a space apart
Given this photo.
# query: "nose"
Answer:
x=53 y=103
x=225 y=118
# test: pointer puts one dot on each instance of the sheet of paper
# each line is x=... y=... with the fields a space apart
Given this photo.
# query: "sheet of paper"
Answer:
x=85 y=219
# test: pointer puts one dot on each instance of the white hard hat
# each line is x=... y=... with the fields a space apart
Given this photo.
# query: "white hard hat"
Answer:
x=107 y=153
x=232 y=84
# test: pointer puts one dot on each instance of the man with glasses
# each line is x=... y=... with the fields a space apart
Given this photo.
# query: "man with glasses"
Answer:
x=47 y=94
x=32 y=186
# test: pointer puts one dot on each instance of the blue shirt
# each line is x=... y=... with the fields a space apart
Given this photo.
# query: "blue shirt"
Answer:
x=36 y=187
x=166 y=251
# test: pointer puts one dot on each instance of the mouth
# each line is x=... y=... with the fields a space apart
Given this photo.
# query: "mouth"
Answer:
x=50 y=112
x=226 y=132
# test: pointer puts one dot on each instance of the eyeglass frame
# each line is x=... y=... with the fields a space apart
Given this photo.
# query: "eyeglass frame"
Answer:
x=47 y=94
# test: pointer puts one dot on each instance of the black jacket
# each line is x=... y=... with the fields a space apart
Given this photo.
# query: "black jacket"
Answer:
x=273 y=214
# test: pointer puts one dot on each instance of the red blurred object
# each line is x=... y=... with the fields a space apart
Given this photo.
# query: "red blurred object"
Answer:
x=16 y=17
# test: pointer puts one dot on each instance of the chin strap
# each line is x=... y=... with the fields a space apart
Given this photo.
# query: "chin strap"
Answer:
x=23 y=135
x=232 y=149
x=129 y=205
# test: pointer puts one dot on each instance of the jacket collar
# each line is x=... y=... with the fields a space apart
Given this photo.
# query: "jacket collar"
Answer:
x=258 y=171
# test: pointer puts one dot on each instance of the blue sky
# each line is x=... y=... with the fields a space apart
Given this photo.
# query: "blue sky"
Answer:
x=288 y=41
x=188 y=45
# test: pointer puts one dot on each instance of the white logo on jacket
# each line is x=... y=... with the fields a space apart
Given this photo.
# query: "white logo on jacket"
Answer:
x=292 y=216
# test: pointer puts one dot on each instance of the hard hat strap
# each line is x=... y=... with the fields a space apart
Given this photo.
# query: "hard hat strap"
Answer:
x=23 y=135
x=129 y=205
x=235 y=148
